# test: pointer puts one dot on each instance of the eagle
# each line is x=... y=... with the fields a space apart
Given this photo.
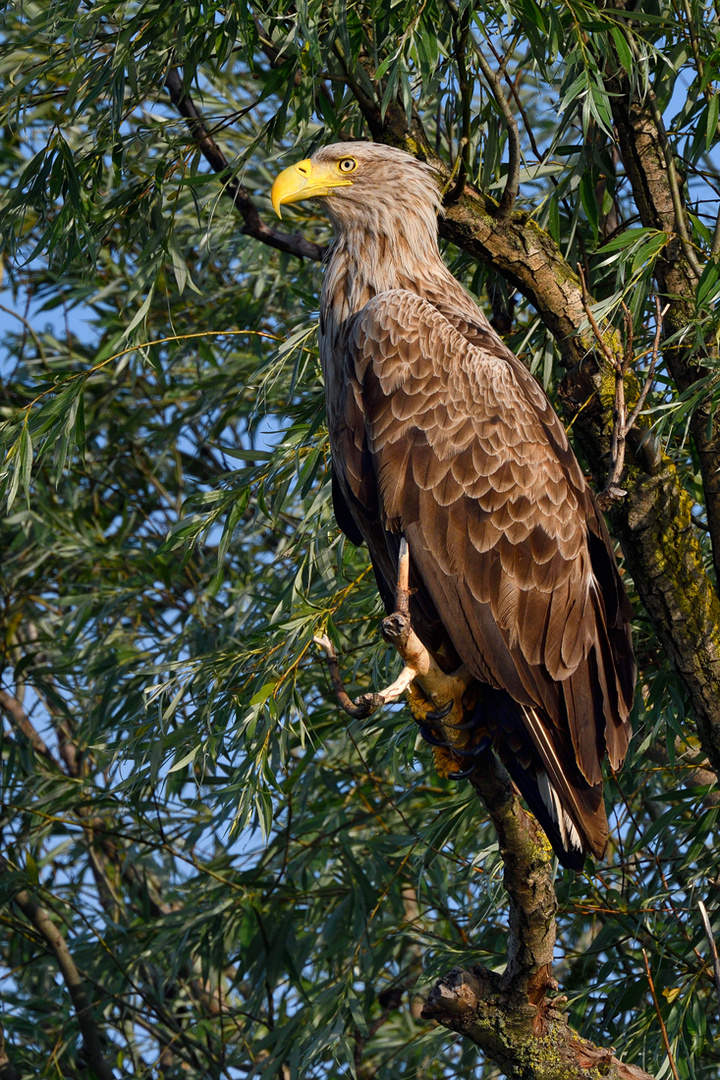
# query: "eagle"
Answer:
x=442 y=439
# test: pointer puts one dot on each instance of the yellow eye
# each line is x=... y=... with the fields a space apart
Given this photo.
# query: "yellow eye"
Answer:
x=347 y=164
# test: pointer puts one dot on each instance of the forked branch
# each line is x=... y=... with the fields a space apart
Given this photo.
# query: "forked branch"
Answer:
x=437 y=685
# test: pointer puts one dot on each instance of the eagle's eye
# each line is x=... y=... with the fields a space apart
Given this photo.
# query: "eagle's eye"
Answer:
x=347 y=164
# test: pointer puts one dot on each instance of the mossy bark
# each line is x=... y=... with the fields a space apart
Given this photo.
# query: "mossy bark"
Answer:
x=509 y=1016
x=527 y=1042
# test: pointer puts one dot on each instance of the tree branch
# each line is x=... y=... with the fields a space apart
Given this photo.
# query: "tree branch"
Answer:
x=39 y=918
x=254 y=226
x=525 y=1042
x=508 y=1016
x=528 y=879
x=21 y=721
x=647 y=159
x=512 y=183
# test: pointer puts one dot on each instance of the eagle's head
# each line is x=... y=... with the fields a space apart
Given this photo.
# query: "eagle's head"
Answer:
x=362 y=185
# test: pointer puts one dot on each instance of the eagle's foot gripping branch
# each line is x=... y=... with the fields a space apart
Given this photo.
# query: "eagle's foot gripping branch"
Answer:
x=440 y=693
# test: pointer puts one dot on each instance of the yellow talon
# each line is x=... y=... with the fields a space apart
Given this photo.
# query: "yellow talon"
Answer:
x=447 y=763
x=447 y=728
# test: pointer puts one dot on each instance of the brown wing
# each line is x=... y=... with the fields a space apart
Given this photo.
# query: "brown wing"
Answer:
x=457 y=447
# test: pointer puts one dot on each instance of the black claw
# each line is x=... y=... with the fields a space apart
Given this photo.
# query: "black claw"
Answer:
x=440 y=714
x=484 y=744
x=463 y=727
x=469 y=751
x=462 y=775
x=431 y=737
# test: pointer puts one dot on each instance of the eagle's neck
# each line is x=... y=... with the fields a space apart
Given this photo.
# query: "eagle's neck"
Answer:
x=364 y=262
x=370 y=260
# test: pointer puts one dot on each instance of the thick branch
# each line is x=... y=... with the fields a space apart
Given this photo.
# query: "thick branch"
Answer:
x=528 y=879
x=254 y=226
x=40 y=919
x=508 y=1015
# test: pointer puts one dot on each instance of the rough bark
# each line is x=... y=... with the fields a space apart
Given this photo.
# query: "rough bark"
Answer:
x=509 y=1016
x=527 y=1042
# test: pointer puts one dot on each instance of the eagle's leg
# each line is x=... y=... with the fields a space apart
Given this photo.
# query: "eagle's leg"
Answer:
x=436 y=697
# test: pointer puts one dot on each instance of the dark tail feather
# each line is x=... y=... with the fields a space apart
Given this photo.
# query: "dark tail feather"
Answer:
x=569 y=855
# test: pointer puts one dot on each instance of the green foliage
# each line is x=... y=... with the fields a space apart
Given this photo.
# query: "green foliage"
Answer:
x=248 y=884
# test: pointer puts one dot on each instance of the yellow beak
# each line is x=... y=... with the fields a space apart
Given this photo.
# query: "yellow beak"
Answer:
x=305 y=181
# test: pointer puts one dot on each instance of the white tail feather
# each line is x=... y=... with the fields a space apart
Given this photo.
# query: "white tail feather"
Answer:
x=566 y=826
x=568 y=832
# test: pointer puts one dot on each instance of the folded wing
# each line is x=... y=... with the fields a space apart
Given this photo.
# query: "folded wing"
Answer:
x=444 y=436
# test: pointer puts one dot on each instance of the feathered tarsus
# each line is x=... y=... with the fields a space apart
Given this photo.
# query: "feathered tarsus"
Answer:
x=439 y=433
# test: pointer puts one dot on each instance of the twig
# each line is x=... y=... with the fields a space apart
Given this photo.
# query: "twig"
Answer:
x=660 y=315
x=361 y=707
x=713 y=948
x=494 y=80
x=607 y=352
x=512 y=184
x=40 y=919
x=294 y=244
x=460 y=33
x=437 y=685
x=663 y=1029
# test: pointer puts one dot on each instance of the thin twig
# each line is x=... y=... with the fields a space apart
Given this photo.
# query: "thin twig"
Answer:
x=713 y=948
x=660 y=314
x=622 y=424
x=512 y=184
x=7 y=1069
x=607 y=352
x=438 y=686
x=494 y=80
x=359 y=709
x=461 y=32
x=663 y=1029
x=254 y=226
